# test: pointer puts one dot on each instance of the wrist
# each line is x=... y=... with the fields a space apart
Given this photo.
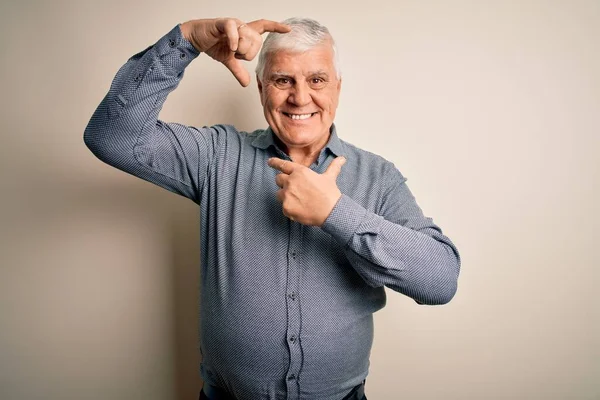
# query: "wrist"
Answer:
x=186 y=30
x=334 y=200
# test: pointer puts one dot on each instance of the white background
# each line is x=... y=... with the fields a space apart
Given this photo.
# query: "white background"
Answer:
x=490 y=108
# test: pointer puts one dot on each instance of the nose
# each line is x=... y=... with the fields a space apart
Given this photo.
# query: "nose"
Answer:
x=300 y=94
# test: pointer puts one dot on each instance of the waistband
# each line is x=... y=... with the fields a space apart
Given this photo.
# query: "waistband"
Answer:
x=216 y=393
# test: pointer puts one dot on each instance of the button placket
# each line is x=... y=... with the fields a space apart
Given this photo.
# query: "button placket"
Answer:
x=293 y=308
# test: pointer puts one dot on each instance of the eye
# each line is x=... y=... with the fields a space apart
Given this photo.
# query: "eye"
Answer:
x=283 y=83
x=317 y=82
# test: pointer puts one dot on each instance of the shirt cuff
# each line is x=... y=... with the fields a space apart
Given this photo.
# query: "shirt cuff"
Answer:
x=175 y=51
x=344 y=219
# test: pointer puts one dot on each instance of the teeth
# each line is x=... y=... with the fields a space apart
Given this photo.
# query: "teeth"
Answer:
x=300 y=116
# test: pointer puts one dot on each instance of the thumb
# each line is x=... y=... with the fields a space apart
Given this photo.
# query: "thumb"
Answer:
x=238 y=70
x=335 y=167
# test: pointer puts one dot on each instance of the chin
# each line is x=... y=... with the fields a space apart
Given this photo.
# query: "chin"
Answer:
x=300 y=138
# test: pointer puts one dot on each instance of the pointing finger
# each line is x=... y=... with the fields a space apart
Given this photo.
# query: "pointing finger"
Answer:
x=335 y=167
x=265 y=25
x=282 y=165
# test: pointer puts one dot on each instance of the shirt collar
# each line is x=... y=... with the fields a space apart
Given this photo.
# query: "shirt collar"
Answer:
x=265 y=139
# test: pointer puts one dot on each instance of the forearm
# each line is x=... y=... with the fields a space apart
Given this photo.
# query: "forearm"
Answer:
x=136 y=95
x=124 y=130
x=417 y=261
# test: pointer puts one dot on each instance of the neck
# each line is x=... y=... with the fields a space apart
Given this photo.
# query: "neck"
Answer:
x=305 y=159
x=302 y=155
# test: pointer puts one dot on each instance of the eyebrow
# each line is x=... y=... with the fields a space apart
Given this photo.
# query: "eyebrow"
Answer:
x=319 y=72
x=278 y=74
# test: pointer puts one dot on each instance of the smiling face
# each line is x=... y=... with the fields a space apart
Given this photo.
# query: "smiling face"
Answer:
x=299 y=93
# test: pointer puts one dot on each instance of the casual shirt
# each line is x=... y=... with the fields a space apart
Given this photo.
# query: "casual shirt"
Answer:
x=286 y=310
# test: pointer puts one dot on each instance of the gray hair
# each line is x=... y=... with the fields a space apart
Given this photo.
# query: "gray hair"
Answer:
x=306 y=34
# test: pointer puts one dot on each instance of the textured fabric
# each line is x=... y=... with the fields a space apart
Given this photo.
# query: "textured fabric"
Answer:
x=214 y=393
x=286 y=309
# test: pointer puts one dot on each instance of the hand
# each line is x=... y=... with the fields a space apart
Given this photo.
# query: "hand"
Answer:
x=306 y=196
x=229 y=40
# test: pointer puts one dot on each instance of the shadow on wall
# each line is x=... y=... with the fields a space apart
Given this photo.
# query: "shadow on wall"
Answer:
x=179 y=226
x=185 y=244
x=111 y=293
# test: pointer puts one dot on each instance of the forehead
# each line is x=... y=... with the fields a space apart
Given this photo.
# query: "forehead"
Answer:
x=317 y=59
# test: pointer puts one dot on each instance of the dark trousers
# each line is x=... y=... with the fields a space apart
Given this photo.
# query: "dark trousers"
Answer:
x=357 y=393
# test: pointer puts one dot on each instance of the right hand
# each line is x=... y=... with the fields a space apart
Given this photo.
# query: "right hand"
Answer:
x=229 y=40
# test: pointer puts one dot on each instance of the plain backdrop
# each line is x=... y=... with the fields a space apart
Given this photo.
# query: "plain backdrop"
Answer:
x=491 y=109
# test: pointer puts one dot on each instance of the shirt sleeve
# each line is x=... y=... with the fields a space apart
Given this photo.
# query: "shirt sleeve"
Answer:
x=125 y=132
x=397 y=247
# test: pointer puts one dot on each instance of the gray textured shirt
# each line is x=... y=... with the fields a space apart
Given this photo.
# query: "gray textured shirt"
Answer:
x=286 y=309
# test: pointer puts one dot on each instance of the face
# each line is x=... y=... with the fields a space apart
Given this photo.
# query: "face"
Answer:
x=299 y=93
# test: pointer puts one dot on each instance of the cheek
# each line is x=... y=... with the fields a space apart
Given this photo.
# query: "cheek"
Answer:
x=327 y=102
x=273 y=99
x=334 y=104
x=271 y=105
x=267 y=103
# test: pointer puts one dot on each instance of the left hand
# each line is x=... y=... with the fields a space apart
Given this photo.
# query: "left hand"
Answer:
x=307 y=196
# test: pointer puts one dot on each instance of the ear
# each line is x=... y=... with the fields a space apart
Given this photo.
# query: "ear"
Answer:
x=260 y=87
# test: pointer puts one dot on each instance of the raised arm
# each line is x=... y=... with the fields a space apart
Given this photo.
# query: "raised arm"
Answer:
x=125 y=131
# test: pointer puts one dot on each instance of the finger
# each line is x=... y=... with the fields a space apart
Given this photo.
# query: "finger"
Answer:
x=238 y=70
x=335 y=167
x=281 y=180
x=253 y=51
x=264 y=25
x=282 y=165
x=230 y=28
x=279 y=195
x=244 y=45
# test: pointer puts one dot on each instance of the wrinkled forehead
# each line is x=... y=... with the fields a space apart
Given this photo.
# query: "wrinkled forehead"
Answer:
x=316 y=60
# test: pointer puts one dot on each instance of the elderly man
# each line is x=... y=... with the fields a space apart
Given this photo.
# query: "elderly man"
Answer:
x=295 y=249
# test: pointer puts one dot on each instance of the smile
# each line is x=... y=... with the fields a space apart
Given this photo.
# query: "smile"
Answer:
x=298 y=116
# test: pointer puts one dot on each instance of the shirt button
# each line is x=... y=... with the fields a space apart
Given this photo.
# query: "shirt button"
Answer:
x=171 y=43
x=182 y=55
x=293 y=254
x=292 y=296
x=293 y=339
x=291 y=377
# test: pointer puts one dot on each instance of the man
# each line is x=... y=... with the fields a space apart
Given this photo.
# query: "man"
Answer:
x=295 y=249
